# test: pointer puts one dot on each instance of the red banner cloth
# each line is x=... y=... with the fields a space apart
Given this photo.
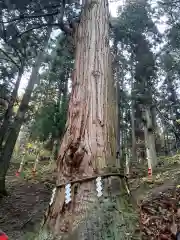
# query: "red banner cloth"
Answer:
x=3 y=236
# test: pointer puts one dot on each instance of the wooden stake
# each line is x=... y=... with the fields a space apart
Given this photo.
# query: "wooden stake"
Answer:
x=35 y=164
x=150 y=173
x=21 y=164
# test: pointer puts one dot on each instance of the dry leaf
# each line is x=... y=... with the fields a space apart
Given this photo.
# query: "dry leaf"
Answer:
x=163 y=237
x=178 y=212
x=146 y=221
x=174 y=228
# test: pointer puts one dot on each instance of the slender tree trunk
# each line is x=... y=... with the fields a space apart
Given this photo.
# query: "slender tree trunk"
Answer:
x=122 y=143
x=116 y=77
x=36 y=162
x=134 y=154
x=167 y=143
x=62 y=104
x=155 y=128
x=166 y=149
x=149 y=139
x=127 y=161
x=13 y=134
x=21 y=164
x=5 y=126
x=118 y=146
x=89 y=144
x=127 y=156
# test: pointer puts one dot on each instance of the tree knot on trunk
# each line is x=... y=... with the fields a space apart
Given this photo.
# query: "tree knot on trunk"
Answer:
x=96 y=74
x=75 y=155
x=106 y=41
x=90 y=5
x=150 y=129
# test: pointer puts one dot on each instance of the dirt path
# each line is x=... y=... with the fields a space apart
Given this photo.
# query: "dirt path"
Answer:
x=23 y=209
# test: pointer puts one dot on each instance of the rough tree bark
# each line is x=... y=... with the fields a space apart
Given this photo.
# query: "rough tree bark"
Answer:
x=89 y=143
x=8 y=148
x=149 y=139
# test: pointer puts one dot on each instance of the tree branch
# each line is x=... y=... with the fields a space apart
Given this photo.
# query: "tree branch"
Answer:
x=10 y=59
x=87 y=179
x=21 y=17
x=15 y=50
x=63 y=26
x=36 y=27
x=5 y=59
x=170 y=3
x=172 y=127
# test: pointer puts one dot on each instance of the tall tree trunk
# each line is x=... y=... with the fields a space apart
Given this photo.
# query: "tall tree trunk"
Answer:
x=62 y=104
x=13 y=134
x=157 y=132
x=167 y=143
x=127 y=155
x=5 y=126
x=134 y=153
x=116 y=77
x=122 y=142
x=118 y=146
x=89 y=144
x=149 y=139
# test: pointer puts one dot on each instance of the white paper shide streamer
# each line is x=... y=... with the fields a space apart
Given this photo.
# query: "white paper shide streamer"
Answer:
x=68 y=193
x=53 y=195
x=99 y=186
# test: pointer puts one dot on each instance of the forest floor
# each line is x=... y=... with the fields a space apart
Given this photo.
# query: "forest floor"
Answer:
x=28 y=196
x=158 y=201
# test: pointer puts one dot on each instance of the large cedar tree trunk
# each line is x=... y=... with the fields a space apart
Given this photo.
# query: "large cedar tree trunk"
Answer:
x=89 y=144
x=149 y=139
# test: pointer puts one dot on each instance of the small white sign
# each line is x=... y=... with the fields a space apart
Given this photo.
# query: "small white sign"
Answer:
x=53 y=195
x=99 y=186
x=68 y=193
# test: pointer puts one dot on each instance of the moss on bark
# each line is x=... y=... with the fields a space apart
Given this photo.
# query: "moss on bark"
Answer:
x=110 y=217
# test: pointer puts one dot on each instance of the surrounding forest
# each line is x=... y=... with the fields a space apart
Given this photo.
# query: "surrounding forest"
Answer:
x=89 y=110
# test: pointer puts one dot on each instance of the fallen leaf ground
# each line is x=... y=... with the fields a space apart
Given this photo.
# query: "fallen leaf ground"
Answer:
x=158 y=202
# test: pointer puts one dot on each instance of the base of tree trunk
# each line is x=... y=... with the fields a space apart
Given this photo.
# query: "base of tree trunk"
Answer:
x=110 y=217
x=3 y=171
x=3 y=191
